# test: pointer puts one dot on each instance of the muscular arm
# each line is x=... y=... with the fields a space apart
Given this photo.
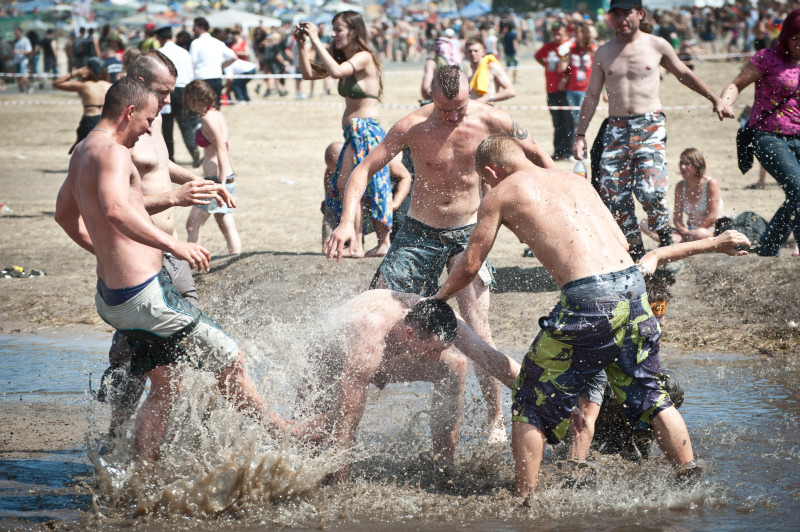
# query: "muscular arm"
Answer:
x=589 y=106
x=533 y=151
x=356 y=185
x=687 y=77
x=726 y=243
x=399 y=174
x=478 y=247
x=501 y=367
x=68 y=216
x=505 y=89
x=361 y=364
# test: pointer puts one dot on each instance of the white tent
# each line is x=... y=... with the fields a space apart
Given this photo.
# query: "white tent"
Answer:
x=228 y=18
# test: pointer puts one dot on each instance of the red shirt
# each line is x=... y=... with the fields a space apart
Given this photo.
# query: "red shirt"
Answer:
x=580 y=67
x=548 y=55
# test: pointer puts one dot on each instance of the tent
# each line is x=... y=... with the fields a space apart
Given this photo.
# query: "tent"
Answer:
x=336 y=6
x=228 y=18
x=475 y=9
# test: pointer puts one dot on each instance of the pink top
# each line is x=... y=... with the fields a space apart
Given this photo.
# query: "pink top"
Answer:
x=779 y=80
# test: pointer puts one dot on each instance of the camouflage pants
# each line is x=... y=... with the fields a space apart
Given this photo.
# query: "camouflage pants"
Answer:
x=634 y=164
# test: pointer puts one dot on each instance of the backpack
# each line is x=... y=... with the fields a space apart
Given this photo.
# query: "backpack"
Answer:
x=748 y=223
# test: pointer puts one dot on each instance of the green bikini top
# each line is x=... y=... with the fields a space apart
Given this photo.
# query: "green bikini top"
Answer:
x=348 y=87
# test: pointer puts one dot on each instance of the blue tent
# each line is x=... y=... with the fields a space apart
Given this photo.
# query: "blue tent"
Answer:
x=475 y=9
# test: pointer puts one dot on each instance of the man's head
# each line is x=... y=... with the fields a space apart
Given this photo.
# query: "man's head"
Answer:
x=156 y=71
x=498 y=156
x=626 y=16
x=450 y=93
x=435 y=326
x=164 y=34
x=200 y=26
x=18 y=32
x=132 y=104
x=475 y=50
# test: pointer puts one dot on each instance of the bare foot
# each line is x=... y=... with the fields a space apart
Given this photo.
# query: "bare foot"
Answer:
x=379 y=251
x=497 y=433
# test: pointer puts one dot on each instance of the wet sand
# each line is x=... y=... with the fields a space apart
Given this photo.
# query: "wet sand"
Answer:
x=746 y=305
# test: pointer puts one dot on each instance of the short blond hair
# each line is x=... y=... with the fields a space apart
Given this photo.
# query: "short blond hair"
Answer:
x=499 y=149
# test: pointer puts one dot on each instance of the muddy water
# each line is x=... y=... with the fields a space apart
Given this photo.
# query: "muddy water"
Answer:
x=221 y=473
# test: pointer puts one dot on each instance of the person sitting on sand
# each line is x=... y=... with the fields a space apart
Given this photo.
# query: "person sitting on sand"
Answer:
x=381 y=337
x=602 y=321
x=697 y=196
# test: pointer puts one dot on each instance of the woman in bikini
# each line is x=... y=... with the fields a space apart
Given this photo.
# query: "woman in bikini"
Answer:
x=91 y=84
x=350 y=60
x=697 y=197
x=213 y=138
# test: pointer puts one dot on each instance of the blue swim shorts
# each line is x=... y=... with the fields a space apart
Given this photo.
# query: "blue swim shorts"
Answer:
x=419 y=254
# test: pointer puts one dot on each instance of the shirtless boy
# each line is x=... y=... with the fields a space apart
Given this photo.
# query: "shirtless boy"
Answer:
x=634 y=159
x=488 y=81
x=602 y=321
x=100 y=206
x=381 y=337
x=442 y=138
x=151 y=158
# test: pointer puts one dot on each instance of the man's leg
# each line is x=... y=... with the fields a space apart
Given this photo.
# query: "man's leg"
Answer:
x=672 y=436
x=473 y=303
x=582 y=424
x=648 y=148
x=151 y=424
x=527 y=448
x=447 y=404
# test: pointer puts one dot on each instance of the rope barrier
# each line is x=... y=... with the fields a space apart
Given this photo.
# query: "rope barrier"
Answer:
x=306 y=103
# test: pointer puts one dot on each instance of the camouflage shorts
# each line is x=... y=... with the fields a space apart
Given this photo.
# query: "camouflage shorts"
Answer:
x=634 y=163
x=581 y=336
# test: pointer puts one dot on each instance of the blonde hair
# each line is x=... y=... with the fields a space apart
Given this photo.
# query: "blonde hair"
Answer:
x=500 y=149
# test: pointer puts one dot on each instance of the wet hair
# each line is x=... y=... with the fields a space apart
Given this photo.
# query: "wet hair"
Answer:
x=499 y=149
x=432 y=317
x=355 y=22
x=147 y=65
x=126 y=91
x=200 y=92
x=448 y=79
x=790 y=28
x=474 y=40
x=694 y=156
x=201 y=23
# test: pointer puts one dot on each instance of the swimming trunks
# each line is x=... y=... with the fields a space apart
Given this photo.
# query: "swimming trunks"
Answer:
x=363 y=135
x=600 y=322
x=418 y=255
x=349 y=88
x=216 y=207
x=165 y=328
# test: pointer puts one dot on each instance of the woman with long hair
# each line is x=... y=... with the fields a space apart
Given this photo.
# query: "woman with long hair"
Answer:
x=91 y=84
x=350 y=60
x=212 y=136
x=775 y=117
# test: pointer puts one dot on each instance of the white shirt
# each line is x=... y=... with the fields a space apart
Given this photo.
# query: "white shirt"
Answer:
x=182 y=61
x=240 y=66
x=208 y=54
x=21 y=50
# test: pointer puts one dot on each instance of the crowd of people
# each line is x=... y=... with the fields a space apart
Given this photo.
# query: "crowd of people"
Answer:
x=117 y=202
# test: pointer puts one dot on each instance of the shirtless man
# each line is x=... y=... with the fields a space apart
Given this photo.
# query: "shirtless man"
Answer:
x=151 y=159
x=603 y=319
x=488 y=80
x=383 y=337
x=442 y=138
x=101 y=207
x=634 y=160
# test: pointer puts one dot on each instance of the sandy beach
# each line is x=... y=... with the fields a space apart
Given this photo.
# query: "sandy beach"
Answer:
x=748 y=305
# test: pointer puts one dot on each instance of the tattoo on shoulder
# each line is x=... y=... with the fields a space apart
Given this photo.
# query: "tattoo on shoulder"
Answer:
x=518 y=131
